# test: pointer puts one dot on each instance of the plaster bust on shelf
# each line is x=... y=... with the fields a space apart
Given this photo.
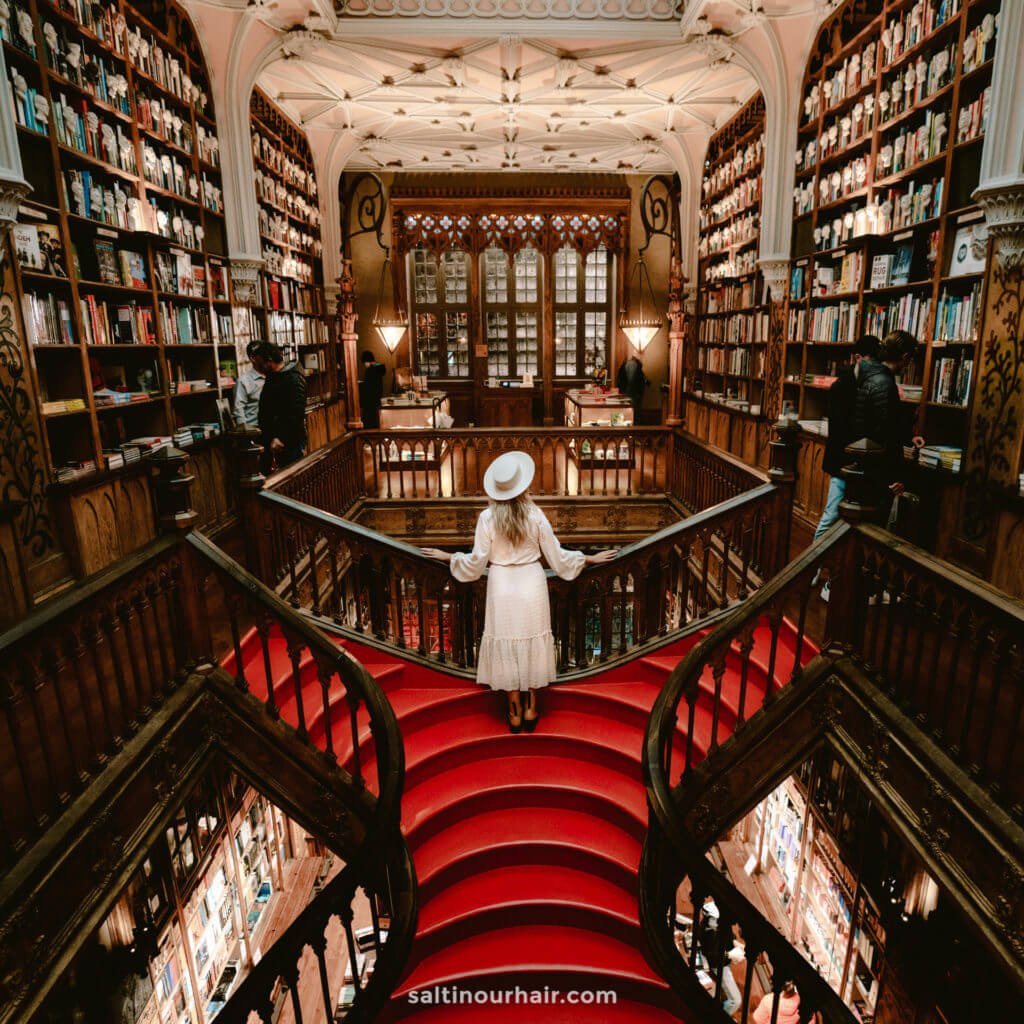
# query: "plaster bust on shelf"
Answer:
x=20 y=86
x=42 y=108
x=49 y=36
x=78 y=197
x=5 y=17
x=25 y=27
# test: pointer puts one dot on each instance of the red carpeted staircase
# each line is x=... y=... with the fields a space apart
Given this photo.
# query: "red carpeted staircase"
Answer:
x=527 y=846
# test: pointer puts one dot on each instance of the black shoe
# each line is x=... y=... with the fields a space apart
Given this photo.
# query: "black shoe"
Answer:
x=529 y=724
x=511 y=726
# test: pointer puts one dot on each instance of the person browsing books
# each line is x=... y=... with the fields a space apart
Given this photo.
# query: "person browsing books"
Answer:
x=839 y=412
x=248 y=389
x=877 y=415
x=282 y=414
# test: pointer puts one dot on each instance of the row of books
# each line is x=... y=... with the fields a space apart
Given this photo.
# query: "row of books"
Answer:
x=162 y=120
x=168 y=172
x=25 y=100
x=116 y=324
x=725 y=297
x=836 y=323
x=164 y=68
x=952 y=380
x=908 y=27
x=913 y=145
x=889 y=269
x=120 y=266
x=827 y=282
x=973 y=120
x=739 y=329
x=742 y=362
x=47 y=320
x=908 y=313
x=98 y=19
x=956 y=317
x=106 y=398
x=93 y=72
x=941 y=456
x=78 y=127
x=184 y=325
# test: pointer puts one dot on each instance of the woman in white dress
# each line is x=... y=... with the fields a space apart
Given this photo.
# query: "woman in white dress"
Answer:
x=517 y=650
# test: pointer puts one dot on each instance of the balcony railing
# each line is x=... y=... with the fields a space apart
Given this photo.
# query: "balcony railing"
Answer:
x=943 y=651
x=355 y=579
x=80 y=679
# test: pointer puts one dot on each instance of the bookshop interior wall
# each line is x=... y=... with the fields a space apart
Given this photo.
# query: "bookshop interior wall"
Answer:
x=129 y=300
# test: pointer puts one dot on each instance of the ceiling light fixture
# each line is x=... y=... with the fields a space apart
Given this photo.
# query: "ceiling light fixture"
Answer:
x=642 y=326
x=390 y=328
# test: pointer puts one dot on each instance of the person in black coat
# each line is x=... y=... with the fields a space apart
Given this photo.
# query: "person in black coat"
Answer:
x=282 y=415
x=840 y=405
x=877 y=415
x=371 y=390
x=632 y=381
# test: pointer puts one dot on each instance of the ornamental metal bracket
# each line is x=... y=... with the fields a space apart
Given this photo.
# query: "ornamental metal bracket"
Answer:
x=659 y=211
x=370 y=206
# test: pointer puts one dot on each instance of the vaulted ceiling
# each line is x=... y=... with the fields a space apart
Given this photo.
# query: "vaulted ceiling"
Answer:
x=546 y=97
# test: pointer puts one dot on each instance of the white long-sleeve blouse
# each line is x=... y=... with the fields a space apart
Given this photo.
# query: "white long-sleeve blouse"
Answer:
x=490 y=547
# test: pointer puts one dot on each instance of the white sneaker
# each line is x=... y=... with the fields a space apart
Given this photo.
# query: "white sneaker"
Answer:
x=826 y=590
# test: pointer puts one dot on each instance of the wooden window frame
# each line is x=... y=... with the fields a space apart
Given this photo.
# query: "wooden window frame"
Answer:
x=580 y=306
x=440 y=311
x=511 y=307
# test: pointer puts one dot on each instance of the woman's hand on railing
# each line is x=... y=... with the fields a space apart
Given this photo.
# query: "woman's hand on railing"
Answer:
x=601 y=556
x=441 y=556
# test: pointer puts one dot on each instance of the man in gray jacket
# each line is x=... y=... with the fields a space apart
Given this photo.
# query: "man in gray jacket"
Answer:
x=248 y=389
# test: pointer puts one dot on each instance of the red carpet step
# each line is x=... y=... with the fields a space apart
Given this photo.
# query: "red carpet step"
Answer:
x=526 y=846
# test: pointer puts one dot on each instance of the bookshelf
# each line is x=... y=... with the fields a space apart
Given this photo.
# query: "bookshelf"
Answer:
x=292 y=287
x=122 y=273
x=726 y=362
x=885 y=232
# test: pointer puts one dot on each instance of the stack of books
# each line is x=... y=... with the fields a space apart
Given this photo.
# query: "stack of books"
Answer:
x=941 y=456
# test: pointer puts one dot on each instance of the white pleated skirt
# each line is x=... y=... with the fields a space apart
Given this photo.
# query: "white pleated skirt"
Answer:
x=517 y=650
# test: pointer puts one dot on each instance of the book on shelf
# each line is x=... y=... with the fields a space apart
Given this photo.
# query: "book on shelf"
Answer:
x=26 y=245
x=956 y=318
x=47 y=320
x=106 y=262
x=824 y=277
x=56 y=405
x=968 y=253
x=941 y=456
x=71 y=471
x=133 y=269
x=881 y=271
x=901 y=263
x=952 y=382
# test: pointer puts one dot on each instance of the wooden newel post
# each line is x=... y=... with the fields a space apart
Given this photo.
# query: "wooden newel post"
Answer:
x=862 y=498
x=172 y=490
x=175 y=514
x=250 y=478
x=782 y=471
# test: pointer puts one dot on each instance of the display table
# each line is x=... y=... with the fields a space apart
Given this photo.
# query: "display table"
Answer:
x=419 y=412
x=586 y=408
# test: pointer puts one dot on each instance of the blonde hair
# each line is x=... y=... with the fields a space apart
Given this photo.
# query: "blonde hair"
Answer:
x=511 y=518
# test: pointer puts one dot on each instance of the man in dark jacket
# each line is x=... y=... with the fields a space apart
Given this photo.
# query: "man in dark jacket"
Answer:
x=282 y=416
x=876 y=415
x=840 y=406
x=632 y=381
x=371 y=390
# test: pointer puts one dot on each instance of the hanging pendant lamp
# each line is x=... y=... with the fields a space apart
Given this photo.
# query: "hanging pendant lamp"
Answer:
x=640 y=327
x=390 y=328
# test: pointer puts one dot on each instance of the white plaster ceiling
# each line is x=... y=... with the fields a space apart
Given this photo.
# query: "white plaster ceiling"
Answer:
x=547 y=97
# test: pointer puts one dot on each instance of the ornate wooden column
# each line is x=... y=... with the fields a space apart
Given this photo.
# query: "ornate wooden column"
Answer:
x=988 y=538
x=347 y=317
x=676 y=341
x=776 y=279
x=25 y=527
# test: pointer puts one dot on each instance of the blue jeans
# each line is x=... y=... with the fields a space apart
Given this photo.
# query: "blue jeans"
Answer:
x=830 y=515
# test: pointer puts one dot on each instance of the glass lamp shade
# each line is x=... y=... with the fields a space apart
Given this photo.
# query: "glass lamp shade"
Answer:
x=640 y=330
x=390 y=332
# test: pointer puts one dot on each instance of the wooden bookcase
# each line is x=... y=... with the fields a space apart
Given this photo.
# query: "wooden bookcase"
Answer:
x=889 y=151
x=120 y=147
x=726 y=361
x=292 y=287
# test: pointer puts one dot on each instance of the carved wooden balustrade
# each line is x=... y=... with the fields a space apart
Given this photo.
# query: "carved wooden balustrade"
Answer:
x=590 y=461
x=386 y=590
x=180 y=631
x=922 y=669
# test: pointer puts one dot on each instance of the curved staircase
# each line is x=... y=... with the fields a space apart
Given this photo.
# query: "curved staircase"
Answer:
x=526 y=846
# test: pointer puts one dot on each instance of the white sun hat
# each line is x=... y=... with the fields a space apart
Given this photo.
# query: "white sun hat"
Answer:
x=508 y=476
